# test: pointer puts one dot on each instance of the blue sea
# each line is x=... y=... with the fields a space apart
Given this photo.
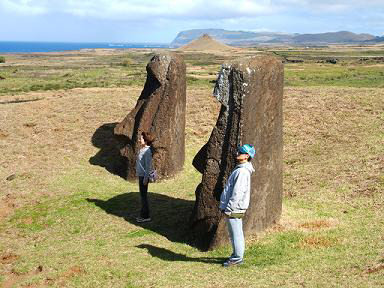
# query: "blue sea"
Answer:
x=28 y=47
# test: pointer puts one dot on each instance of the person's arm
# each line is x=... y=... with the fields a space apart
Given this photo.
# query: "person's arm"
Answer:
x=147 y=165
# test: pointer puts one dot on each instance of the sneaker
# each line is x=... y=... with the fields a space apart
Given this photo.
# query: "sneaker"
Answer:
x=142 y=220
x=232 y=262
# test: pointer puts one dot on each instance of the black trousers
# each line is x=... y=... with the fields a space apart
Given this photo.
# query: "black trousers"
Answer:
x=144 y=213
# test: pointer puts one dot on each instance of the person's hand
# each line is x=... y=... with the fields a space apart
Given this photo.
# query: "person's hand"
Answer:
x=145 y=181
x=226 y=213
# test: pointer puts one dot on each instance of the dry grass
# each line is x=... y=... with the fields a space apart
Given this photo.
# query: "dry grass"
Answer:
x=46 y=135
x=42 y=137
x=324 y=135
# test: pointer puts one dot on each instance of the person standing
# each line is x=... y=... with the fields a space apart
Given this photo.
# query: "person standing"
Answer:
x=234 y=202
x=143 y=168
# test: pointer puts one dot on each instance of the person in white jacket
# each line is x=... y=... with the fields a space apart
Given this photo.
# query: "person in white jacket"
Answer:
x=234 y=201
x=143 y=168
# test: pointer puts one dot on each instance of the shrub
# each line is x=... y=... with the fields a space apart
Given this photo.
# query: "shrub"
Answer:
x=2 y=59
x=127 y=62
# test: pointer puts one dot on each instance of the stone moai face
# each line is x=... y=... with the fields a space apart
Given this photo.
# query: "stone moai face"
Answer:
x=160 y=109
x=251 y=93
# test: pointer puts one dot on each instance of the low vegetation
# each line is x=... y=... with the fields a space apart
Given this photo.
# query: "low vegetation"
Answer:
x=42 y=72
x=66 y=220
x=309 y=74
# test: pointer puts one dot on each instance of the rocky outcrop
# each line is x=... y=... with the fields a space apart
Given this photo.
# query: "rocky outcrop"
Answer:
x=160 y=109
x=251 y=93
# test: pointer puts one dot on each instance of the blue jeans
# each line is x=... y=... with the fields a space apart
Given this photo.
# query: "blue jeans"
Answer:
x=235 y=229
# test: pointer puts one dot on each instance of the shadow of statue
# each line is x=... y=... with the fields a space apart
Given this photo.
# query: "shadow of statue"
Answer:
x=168 y=255
x=109 y=155
x=170 y=216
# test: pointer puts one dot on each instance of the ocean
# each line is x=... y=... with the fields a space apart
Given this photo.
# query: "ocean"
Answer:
x=28 y=47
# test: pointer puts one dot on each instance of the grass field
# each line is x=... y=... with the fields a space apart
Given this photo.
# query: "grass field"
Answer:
x=67 y=221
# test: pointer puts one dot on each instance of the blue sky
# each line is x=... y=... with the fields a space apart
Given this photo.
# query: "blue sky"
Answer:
x=160 y=20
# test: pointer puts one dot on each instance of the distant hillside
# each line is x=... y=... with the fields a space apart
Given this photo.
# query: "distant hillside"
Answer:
x=333 y=37
x=234 y=38
x=205 y=43
x=246 y=38
x=377 y=40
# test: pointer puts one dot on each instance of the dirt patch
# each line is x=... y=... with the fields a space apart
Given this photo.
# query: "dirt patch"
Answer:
x=7 y=204
x=73 y=271
x=316 y=242
x=3 y=135
x=8 y=258
x=316 y=225
x=64 y=277
x=14 y=277
x=375 y=269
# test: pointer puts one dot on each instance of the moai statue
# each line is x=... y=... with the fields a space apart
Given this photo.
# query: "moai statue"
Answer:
x=251 y=93
x=160 y=109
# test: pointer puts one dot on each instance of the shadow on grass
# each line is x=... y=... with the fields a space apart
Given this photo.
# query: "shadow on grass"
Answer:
x=20 y=101
x=170 y=216
x=168 y=255
x=109 y=155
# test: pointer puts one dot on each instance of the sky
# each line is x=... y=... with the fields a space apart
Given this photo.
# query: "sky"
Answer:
x=159 y=21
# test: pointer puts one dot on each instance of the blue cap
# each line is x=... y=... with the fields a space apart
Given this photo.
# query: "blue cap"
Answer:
x=247 y=149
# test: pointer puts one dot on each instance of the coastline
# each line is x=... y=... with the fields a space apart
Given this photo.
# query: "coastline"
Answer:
x=26 y=47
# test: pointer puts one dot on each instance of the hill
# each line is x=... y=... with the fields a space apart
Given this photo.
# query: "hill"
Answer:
x=333 y=37
x=235 y=38
x=247 y=38
x=204 y=43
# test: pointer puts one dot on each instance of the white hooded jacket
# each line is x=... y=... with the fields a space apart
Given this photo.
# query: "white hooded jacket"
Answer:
x=236 y=194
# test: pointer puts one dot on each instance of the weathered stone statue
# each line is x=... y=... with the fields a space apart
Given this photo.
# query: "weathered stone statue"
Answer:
x=160 y=109
x=251 y=93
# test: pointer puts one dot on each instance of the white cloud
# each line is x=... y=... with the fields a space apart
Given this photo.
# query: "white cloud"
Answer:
x=198 y=9
x=328 y=5
x=186 y=9
x=194 y=11
x=134 y=9
x=24 y=7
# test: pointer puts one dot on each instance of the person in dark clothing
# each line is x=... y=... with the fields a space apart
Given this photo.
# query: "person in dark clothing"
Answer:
x=143 y=168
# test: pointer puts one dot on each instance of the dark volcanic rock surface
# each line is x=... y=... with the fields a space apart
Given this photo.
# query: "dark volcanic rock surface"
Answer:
x=251 y=93
x=160 y=109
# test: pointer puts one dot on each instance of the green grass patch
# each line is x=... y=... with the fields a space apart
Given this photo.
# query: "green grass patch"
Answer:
x=327 y=53
x=333 y=75
x=101 y=71
x=280 y=249
x=200 y=82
